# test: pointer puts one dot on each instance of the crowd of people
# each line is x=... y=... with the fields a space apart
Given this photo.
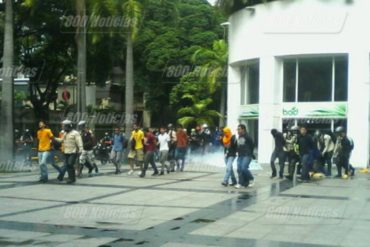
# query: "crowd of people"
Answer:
x=76 y=146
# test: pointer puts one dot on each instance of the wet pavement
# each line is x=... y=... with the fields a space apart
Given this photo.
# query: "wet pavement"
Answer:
x=182 y=209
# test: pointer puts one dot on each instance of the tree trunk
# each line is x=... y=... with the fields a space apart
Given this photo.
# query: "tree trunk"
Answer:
x=129 y=91
x=223 y=105
x=81 y=58
x=6 y=112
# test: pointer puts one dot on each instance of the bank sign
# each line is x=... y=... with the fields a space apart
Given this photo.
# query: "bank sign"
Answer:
x=315 y=110
x=336 y=110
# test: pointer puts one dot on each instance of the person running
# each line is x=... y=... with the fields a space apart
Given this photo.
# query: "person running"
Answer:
x=150 y=146
x=163 y=140
x=136 y=153
x=44 y=138
x=306 y=147
x=229 y=142
x=278 y=153
x=72 y=142
x=118 y=146
x=87 y=157
x=181 y=148
x=245 y=153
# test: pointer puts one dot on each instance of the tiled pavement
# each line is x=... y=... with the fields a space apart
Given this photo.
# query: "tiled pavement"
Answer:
x=183 y=209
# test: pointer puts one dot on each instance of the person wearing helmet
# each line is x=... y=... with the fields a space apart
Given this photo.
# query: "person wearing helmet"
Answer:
x=327 y=152
x=278 y=153
x=72 y=147
x=342 y=151
x=87 y=157
x=206 y=138
x=44 y=138
x=291 y=154
x=26 y=141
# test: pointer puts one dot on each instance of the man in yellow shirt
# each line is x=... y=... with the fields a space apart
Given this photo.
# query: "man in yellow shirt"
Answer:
x=136 y=144
x=44 y=137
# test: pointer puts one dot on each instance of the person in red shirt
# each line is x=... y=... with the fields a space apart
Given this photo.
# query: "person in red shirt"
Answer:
x=150 y=145
x=181 y=147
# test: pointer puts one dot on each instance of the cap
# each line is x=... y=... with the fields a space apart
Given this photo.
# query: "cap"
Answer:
x=339 y=129
x=82 y=122
x=67 y=122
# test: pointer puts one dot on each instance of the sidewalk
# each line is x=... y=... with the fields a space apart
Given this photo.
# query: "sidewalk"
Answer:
x=182 y=209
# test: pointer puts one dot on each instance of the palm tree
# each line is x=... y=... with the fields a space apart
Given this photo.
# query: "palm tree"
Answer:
x=198 y=113
x=81 y=56
x=6 y=112
x=214 y=62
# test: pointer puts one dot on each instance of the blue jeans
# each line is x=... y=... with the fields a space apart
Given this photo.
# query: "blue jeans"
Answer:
x=44 y=158
x=229 y=170
x=245 y=176
x=180 y=155
x=52 y=161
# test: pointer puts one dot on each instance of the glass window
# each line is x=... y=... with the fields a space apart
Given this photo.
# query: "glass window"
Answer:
x=249 y=90
x=253 y=84
x=289 y=80
x=341 y=79
x=315 y=79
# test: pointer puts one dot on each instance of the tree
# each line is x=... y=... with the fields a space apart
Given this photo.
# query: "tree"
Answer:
x=214 y=63
x=7 y=94
x=197 y=113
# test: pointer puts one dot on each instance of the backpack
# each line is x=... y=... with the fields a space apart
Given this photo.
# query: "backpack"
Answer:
x=352 y=145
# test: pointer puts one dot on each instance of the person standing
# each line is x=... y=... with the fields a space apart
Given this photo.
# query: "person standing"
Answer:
x=306 y=147
x=172 y=146
x=136 y=154
x=343 y=151
x=278 y=153
x=26 y=141
x=327 y=152
x=181 y=148
x=230 y=147
x=163 y=140
x=118 y=146
x=292 y=154
x=44 y=139
x=150 y=146
x=245 y=148
x=72 y=146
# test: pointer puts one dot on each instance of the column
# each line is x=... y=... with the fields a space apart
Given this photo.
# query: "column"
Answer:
x=233 y=97
x=270 y=97
x=358 y=106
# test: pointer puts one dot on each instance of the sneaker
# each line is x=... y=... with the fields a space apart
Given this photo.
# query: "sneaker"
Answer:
x=43 y=180
x=155 y=174
x=96 y=169
x=224 y=184
x=60 y=177
x=251 y=183
x=130 y=172
x=71 y=181
x=142 y=175
x=272 y=177
x=232 y=184
x=162 y=173
x=117 y=172
x=238 y=186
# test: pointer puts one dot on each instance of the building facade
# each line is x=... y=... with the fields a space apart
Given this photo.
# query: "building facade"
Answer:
x=301 y=61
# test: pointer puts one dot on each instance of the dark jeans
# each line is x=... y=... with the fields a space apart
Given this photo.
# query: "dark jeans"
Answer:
x=342 y=162
x=293 y=158
x=149 y=158
x=69 y=166
x=306 y=166
x=277 y=155
x=244 y=175
x=180 y=155
x=327 y=160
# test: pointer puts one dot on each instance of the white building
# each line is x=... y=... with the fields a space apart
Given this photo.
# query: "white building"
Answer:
x=301 y=61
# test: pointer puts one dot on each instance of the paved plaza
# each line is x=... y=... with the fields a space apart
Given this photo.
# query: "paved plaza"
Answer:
x=188 y=208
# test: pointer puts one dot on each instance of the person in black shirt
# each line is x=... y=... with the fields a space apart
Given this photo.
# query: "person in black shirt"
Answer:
x=306 y=147
x=278 y=153
x=343 y=150
x=245 y=152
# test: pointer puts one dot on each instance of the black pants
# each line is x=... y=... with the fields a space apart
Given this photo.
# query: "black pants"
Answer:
x=293 y=158
x=69 y=163
x=149 y=158
x=342 y=163
x=281 y=156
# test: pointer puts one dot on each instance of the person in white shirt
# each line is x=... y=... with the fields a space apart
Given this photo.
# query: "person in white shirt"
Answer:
x=163 y=140
x=327 y=151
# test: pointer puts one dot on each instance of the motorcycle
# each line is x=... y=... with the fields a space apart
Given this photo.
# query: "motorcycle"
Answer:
x=102 y=152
